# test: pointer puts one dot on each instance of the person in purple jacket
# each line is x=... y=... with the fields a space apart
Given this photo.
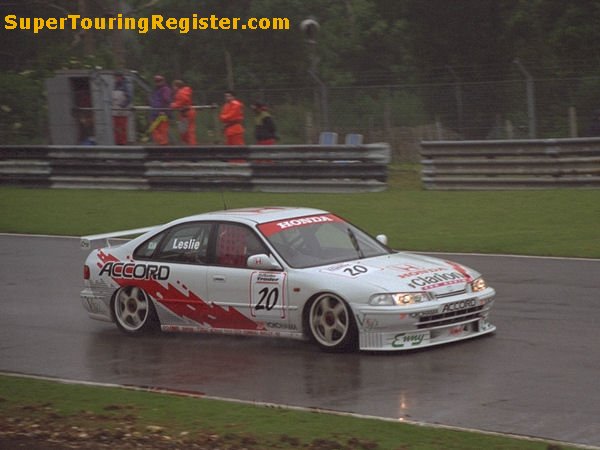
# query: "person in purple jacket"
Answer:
x=160 y=98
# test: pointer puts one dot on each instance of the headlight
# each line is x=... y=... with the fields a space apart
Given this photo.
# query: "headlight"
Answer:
x=478 y=285
x=398 y=299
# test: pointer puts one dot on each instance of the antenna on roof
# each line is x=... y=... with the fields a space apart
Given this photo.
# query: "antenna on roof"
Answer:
x=223 y=199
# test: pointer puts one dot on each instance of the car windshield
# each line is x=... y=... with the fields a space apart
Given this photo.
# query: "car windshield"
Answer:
x=318 y=240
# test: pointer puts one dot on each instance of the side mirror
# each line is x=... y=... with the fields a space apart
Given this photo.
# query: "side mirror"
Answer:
x=263 y=262
x=382 y=238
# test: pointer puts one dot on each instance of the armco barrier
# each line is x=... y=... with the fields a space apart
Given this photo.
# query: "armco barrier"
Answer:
x=306 y=168
x=516 y=164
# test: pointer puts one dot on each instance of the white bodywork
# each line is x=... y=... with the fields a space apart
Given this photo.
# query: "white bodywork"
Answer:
x=269 y=296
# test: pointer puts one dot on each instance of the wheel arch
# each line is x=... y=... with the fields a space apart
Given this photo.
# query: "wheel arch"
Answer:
x=306 y=309
x=151 y=323
x=351 y=317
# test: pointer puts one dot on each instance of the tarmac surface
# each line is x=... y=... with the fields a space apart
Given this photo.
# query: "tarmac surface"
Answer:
x=536 y=376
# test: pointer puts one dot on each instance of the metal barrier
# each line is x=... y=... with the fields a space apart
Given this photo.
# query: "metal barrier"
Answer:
x=282 y=168
x=511 y=164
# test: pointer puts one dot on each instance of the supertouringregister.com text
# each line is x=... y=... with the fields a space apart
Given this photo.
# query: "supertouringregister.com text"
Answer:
x=142 y=25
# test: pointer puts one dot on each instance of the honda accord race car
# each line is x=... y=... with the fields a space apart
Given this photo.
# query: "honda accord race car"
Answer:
x=288 y=272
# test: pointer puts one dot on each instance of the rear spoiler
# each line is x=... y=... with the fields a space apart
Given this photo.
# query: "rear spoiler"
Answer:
x=86 y=242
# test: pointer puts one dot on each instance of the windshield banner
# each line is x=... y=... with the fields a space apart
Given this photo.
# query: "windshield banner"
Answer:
x=271 y=228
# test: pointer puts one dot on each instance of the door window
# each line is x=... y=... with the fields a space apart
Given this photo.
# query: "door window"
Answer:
x=235 y=243
x=183 y=244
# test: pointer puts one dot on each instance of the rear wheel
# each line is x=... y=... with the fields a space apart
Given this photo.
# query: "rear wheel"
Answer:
x=133 y=311
x=331 y=323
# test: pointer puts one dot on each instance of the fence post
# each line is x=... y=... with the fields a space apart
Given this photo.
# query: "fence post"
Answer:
x=387 y=115
x=459 y=97
x=530 y=88
x=572 y=122
x=309 y=127
x=311 y=27
x=438 y=129
x=510 y=134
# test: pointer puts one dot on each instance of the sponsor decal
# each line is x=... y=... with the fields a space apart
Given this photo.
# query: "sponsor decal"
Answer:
x=461 y=270
x=281 y=326
x=267 y=295
x=188 y=244
x=180 y=328
x=275 y=227
x=484 y=325
x=409 y=340
x=429 y=312
x=367 y=323
x=462 y=304
x=427 y=282
x=137 y=271
x=303 y=221
x=349 y=270
x=457 y=331
x=267 y=277
x=414 y=271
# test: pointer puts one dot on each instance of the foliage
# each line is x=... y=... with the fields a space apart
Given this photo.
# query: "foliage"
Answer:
x=360 y=42
x=17 y=120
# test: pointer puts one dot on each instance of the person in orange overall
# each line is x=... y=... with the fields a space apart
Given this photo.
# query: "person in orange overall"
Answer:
x=160 y=99
x=232 y=116
x=187 y=115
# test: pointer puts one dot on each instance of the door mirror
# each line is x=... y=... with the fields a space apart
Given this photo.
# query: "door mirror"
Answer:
x=263 y=262
x=382 y=238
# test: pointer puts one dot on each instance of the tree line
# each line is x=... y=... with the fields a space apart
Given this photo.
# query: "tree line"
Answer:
x=359 y=43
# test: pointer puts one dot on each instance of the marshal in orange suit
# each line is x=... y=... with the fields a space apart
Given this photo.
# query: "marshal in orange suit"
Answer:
x=232 y=116
x=187 y=114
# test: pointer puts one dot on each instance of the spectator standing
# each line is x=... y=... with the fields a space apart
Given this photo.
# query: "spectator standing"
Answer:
x=182 y=102
x=160 y=100
x=121 y=101
x=232 y=116
x=265 y=132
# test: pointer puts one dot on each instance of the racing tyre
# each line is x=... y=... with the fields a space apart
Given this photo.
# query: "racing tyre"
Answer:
x=331 y=324
x=133 y=311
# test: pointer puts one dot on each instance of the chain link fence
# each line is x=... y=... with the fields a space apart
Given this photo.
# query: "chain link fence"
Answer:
x=400 y=114
x=403 y=115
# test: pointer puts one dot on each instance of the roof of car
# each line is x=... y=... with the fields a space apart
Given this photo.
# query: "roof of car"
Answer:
x=258 y=214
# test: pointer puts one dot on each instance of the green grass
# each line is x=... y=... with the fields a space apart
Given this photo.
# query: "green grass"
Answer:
x=117 y=411
x=549 y=222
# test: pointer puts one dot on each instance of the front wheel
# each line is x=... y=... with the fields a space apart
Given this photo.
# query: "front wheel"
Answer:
x=133 y=311
x=331 y=323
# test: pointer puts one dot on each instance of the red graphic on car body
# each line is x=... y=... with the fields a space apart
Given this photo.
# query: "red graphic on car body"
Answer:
x=185 y=305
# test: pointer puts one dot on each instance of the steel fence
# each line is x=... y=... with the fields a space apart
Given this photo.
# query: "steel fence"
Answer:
x=267 y=168
x=511 y=164
x=400 y=114
x=405 y=114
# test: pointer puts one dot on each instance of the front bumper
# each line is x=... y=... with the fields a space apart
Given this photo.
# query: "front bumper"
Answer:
x=432 y=323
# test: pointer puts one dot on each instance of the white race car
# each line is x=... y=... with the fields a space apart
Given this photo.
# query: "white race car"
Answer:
x=289 y=272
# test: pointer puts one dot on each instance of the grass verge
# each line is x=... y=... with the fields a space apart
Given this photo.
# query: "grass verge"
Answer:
x=545 y=223
x=41 y=411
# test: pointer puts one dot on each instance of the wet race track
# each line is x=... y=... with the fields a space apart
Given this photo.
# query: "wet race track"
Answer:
x=536 y=376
